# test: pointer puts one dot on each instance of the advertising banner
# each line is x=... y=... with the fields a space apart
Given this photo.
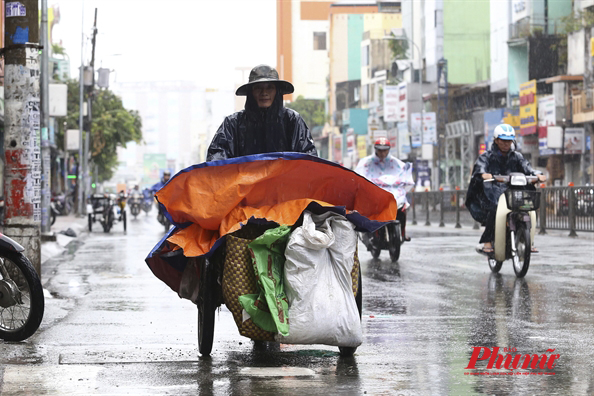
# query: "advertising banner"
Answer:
x=430 y=128
x=362 y=146
x=575 y=141
x=428 y=134
x=492 y=119
x=423 y=173
x=337 y=148
x=391 y=103
x=528 y=108
x=415 y=130
x=153 y=165
x=402 y=102
x=546 y=111
x=403 y=140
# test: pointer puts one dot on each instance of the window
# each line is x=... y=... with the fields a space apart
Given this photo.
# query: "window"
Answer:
x=319 y=40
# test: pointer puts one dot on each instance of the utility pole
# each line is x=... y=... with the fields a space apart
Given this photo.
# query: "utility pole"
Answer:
x=22 y=148
x=79 y=176
x=45 y=142
x=90 y=110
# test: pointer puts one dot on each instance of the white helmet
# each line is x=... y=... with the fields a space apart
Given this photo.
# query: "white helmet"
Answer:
x=504 y=132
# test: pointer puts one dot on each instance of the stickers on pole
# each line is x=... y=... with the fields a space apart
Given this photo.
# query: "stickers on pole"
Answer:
x=15 y=9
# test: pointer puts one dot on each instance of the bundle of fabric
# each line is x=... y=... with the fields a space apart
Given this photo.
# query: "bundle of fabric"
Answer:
x=208 y=201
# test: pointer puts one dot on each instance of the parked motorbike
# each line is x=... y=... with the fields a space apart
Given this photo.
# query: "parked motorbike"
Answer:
x=515 y=220
x=21 y=295
x=62 y=204
x=135 y=201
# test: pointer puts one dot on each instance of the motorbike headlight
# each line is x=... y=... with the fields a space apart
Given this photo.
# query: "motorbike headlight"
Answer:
x=518 y=180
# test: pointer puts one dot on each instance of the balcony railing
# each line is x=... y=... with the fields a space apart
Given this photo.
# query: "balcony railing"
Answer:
x=528 y=27
x=582 y=106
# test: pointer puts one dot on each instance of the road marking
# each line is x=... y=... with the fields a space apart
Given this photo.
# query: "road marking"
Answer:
x=276 y=372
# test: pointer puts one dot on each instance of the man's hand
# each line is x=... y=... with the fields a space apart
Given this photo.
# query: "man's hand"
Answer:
x=486 y=176
x=542 y=178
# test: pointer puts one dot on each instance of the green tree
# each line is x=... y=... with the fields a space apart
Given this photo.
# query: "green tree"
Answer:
x=312 y=111
x=112 y=126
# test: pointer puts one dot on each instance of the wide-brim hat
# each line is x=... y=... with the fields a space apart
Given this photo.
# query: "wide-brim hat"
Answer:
x=265 y=73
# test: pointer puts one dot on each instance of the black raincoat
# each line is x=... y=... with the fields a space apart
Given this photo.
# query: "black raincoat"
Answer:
x=257 y=131
x=481 y=198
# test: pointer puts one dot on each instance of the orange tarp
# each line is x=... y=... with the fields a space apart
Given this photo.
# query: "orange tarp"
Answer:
x=217 y=199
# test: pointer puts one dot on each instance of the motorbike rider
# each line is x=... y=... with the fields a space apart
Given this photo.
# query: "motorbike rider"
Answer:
x=500 y=159
x=265 y=125
x=157 y=186
x=382 y=163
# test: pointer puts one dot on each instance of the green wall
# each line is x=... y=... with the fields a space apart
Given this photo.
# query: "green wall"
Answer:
x=517 y=69
x=355 y=35
x=466 y=43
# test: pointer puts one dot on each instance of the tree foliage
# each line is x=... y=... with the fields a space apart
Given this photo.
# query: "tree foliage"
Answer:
x=578 y=20
x=311 y=110
x=112 y=126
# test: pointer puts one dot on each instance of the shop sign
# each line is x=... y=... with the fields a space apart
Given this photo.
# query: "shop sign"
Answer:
x=528 y=108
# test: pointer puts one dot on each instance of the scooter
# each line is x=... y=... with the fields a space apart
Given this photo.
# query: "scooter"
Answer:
x=387 y=238
x=147 y=200
x=515 y=221
x=390 y=236
x=21 y=294
x=135 y=201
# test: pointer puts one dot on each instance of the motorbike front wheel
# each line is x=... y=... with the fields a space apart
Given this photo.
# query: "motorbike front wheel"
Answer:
x=494 y=265
x=206 y=308
x=375 y=243
x=90 y=216
x=21 y=297
x=521 y=259
x=394 y=241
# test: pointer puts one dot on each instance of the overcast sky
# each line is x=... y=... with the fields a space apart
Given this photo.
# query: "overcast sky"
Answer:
x=147 y=40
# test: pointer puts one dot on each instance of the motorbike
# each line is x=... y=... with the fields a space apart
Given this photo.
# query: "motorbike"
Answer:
x=135 y=201
x=390 y=236
x=62 y=204
x=163 y=220
x=387 y=238
x=147 y=200
x=21 y=295
x=515 y=220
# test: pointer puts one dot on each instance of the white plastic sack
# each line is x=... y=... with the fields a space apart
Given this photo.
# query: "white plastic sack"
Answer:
x=319 y=259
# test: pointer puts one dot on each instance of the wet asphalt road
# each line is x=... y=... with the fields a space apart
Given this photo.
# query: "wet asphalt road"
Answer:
x=111 y=327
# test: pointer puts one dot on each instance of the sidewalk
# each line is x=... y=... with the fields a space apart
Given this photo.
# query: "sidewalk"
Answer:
x=51 y=249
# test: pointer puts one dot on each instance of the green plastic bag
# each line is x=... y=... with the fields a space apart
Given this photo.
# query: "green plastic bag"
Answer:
x=270 y=309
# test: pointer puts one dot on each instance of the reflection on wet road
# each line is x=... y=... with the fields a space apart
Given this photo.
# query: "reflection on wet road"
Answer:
x=112 y=327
